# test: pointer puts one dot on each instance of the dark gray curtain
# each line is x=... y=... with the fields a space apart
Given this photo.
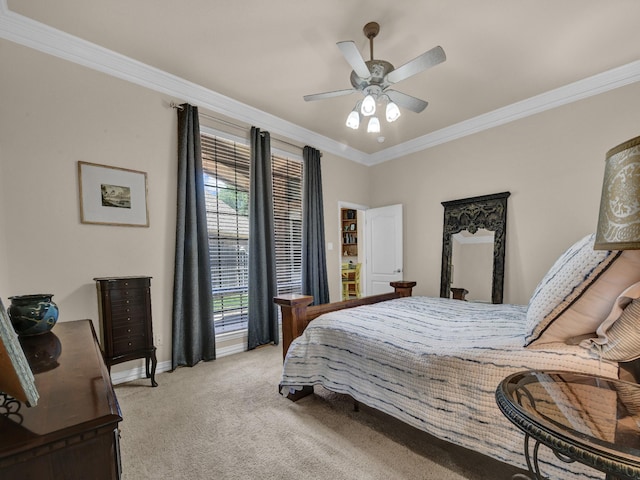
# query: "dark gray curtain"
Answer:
x=193 y=334
x=314 y=260
x=263 y=315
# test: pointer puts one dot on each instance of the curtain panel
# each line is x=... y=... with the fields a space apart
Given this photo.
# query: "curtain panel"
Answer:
x=263 y=315
x=193 y=330
x=314 y=261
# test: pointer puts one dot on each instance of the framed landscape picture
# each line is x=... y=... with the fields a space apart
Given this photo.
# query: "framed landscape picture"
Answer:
x=112 y=195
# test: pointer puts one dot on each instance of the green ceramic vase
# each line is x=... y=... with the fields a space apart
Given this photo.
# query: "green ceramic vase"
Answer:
x=32 y=314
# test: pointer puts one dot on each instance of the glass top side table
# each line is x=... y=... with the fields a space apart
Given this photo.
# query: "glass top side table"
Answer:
x=585 y=418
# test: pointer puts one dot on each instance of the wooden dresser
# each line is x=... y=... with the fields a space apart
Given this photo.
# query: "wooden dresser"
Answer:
x=125 y=312
x=72 y=433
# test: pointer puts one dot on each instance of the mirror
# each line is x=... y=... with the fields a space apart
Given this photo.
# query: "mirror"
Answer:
x=478 y=218
x=472 y=264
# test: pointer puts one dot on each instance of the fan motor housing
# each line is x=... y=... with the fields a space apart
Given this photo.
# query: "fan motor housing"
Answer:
x=378 y=69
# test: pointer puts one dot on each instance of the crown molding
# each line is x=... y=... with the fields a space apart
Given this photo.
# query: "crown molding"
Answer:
x=27 y=32
x=588 y=87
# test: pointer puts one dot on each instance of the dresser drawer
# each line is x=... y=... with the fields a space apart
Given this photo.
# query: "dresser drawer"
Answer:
x=125 y=310
x=128 y=294
x=133 y=282
x=126 y=331
x=129 y=344
x=128 y=320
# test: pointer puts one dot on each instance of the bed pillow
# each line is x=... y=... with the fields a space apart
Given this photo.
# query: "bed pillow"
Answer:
x=568 y=276
x=619 y=335
x=578 y=292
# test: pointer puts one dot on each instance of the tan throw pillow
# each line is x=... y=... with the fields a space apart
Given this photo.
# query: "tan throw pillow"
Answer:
x=581 y=289
x=569 y=276
x=619 y=335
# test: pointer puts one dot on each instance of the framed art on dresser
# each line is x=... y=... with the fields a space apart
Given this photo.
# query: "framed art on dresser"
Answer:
x=16 y=377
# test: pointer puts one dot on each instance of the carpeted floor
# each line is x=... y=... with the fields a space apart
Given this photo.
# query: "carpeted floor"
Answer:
x=226 y=420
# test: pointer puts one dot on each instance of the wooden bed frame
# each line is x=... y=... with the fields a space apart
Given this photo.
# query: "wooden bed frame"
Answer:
x=296 y=312
x=296 y=315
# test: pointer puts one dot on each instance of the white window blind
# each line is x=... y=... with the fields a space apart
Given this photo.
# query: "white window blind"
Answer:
x=226 y=177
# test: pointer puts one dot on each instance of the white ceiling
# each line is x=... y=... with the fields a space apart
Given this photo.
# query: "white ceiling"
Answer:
x=505 y=58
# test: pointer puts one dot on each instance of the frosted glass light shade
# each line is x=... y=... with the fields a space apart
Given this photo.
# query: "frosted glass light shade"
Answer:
x=393 y=112
x=619 y=219
x=374 y=125
x=353 y=120
x=368 y=106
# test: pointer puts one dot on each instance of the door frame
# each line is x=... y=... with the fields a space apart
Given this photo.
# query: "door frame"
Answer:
x=362 y=242
x=398 y=273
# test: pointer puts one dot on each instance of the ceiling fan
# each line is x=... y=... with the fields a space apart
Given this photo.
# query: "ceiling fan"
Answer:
x=374 y=77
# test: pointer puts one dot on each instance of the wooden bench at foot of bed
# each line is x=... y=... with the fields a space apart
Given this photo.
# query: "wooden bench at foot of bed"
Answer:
x=296 y=315
x=296 y=312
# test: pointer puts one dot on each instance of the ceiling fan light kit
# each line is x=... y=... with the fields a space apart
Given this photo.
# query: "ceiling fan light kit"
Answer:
x=374 y=77
x=368 y=107
x=393 y=112
x=374 y=125
x=353 y=120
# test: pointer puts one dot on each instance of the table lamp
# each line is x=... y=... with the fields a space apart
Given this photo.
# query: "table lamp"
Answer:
x=619 y=218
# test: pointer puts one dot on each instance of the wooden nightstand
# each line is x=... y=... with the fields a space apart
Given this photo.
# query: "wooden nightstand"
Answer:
x=125 y=312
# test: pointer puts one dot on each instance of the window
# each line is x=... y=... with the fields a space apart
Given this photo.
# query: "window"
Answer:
x=226 y=177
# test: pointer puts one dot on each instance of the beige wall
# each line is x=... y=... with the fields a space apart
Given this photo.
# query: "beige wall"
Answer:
x=3 y=244
x=342 y=181
x=55 y=113
x=552 y=163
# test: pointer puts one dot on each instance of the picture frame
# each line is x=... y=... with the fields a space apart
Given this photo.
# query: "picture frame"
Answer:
x=112 y=195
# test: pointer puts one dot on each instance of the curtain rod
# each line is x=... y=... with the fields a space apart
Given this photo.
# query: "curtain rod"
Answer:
x=210 y=117
x=231 y=124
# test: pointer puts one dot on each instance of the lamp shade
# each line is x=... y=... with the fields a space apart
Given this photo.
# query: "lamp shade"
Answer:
x=619 y=219
x=353 y=120
x=374 y=125
x=393 y=112
x=368 y=106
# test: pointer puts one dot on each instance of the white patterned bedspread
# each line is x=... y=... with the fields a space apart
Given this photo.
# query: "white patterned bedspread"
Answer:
x=435 y=364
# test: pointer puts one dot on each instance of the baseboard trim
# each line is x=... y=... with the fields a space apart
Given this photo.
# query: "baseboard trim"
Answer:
x=137 y=373
x=140 y=372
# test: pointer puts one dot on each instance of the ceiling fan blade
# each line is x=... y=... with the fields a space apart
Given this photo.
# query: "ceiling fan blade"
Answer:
x=322 y=96
x=419 y=64
x=353 y=56
x=406 y=101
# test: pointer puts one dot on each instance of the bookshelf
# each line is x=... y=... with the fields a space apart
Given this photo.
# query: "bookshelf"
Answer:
x=349 y=220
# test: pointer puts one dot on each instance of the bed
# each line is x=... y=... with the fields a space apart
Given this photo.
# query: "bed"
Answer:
x=435 y=363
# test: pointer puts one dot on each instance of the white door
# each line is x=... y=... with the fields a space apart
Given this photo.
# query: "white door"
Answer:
x=383 y=248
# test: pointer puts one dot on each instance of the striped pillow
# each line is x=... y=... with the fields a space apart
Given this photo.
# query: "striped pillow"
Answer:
x=570 y=276
x=619 y=335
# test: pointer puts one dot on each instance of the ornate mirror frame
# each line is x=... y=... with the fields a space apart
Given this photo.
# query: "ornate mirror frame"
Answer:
x=488 y=212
